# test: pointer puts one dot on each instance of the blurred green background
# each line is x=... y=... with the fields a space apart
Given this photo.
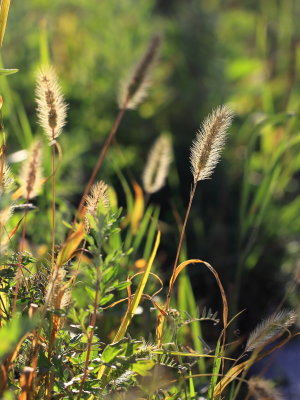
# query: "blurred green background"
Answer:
x=245 y=221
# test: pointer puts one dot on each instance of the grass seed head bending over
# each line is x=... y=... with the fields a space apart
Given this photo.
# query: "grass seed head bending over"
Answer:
x=209 y=142
x=51 y=107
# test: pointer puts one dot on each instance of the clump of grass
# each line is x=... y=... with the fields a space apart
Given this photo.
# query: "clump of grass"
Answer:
x=56 y=350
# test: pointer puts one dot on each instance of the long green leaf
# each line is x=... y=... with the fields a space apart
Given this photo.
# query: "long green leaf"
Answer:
x=4 y=8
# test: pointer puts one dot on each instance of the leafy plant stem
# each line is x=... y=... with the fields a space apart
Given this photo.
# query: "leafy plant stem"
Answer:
x=21 y=249
x=90 y=337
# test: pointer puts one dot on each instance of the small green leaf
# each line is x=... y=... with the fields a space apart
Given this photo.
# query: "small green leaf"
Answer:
x=106 y=299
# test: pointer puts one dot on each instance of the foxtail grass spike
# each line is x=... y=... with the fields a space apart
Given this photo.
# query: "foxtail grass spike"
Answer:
x=5 y=215
x=57 y=296
x=158 y=163
x=270 y=328
x=134 y=89
x=6 y=179
x=262 y=389
x=31 y=174
x=51 y=107
x=209 y=142
x=97 y=195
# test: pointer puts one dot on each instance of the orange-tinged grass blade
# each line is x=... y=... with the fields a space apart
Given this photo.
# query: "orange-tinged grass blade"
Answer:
x=71 y=245
x=229 y=377
x=178 y=270
x=4 y=8
x=138 y=209
x=183 y=265
x=14 y=230
x=132 y=305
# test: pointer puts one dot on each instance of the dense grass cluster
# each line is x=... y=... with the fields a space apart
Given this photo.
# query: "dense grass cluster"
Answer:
x=85 y=310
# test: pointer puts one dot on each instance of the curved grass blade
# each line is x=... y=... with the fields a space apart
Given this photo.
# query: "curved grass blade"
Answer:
x=4 y=8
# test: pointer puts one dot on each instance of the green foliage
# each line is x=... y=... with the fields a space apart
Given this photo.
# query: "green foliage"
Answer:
x=86 y=325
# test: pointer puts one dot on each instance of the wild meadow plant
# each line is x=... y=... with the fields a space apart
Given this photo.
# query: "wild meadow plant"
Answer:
x=73 y=319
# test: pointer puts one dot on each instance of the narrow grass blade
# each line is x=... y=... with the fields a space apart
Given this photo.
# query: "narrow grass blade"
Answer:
x=151 y=233
x=187 y=302
x=5 y=72
x=4 y=8
x=138 y=294
x=133 y=305
x=229 y=377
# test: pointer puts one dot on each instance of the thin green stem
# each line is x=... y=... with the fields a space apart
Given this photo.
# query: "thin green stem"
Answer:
x=91 y=335
x=192 y=195
x=53 y=206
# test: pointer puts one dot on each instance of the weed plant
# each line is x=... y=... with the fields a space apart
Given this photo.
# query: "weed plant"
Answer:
x=81 y=316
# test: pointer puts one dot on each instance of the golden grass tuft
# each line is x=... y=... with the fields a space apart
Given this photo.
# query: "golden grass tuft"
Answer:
x=158 y=163
x=31 y=173
x=270 y=328
x=97 y=195
x=134 y=89
x=6 y=179
x=51 y=107
x=209 y=142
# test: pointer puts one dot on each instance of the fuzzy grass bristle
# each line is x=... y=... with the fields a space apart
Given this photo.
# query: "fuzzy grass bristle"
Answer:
x=51 y=107
x=158 y=163
x=209 y=142
x=5 y=215
x=31 y=174
x=97 y=195
x=6 y=179
x=134 y=89
x=57 y=295
x=270 y=328
x=262 y=389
